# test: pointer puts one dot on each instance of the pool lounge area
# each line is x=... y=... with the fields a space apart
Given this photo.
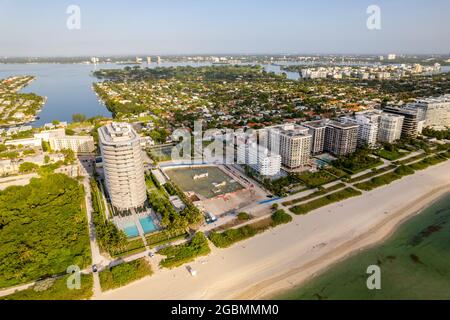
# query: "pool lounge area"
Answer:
x=141 y=224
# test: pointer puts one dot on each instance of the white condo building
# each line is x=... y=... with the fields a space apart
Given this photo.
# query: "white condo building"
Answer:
x=368 y=122
x=390 y=128
x=123 y=165
x=341 y=138
x=259 y=158
x=317 y=130
x=437 y=111
x=292 y=142
x=78 y=144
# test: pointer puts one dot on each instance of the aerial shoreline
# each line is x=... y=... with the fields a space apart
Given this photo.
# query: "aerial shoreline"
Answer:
x=382 y=231
x=251 y=269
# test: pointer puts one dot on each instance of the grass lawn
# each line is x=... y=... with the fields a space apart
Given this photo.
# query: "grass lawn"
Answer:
x=336 y=172
x=315 y=179
x=326 y=200
x=430 y=161
x=374 y=172
x=385 y=179
x=357 y=162
x=55 y=289
x=315 y=194
x=162 y=237
x=125 y=273
x=392 y=154
x=134 y=246
x=229 y=237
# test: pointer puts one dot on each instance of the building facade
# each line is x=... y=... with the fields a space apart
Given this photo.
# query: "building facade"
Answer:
x=390 y=129
x=78 y=144
x=414 y=119
x=259 y=158
x=368 y=122
x=317 y=130
x=437 y=111
x=123 y=166
x=293 y=143
x=341 y=138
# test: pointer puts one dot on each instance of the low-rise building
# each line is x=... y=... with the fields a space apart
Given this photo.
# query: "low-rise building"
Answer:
x=29 y=142
x=78 y=144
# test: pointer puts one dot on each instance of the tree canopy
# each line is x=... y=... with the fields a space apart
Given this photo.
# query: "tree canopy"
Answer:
x=43 y=229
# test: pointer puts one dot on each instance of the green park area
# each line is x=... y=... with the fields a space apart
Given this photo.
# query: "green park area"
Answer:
x=229 y=237
x=326 y=200
x=43 y=229
x=125 y=273
x=186 y=252
x=56 y=289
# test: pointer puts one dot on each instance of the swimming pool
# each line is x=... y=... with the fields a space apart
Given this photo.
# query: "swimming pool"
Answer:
x=147 y=224
x=131 y=230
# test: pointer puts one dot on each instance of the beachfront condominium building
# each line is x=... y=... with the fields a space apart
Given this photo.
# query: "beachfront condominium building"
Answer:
x=341 y=137
x=292 y=142
x=437 y=111
x=390 y=128
x=414 y=118
x=317 y=130
x=259 y=158
x=368 y=122
x=123 y=166
x=78 y=144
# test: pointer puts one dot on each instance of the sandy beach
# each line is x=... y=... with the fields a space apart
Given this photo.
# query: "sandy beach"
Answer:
x=284 y=257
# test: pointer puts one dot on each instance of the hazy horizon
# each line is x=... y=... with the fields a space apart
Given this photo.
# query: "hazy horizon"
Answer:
x=201 y=27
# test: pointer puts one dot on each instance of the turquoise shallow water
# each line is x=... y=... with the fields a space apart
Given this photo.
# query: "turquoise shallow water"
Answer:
x=131 y=230
x=414 y=264
x=147 y=224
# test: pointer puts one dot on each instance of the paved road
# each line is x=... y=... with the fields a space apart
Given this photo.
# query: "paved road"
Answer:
x=97 y=258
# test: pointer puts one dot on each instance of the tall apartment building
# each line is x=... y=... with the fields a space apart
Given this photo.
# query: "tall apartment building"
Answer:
x=123 y=166
x=292 y=142
x=437 y=111
x=368 y=122
x=259 y=158
x=78 y=144
x=341 y=137
x=413 y=121
x=390 y=128
x=317 y=130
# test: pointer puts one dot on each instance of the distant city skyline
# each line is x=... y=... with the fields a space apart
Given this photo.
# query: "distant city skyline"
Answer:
x=175 y=27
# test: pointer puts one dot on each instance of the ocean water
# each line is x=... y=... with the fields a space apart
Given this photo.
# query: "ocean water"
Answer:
x=414 y=264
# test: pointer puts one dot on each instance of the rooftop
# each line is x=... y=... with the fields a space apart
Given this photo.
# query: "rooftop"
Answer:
x=342 y=125
x=117 y=132
x=317 y=123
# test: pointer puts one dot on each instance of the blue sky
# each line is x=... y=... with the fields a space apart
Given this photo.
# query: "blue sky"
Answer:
x=38 y=28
